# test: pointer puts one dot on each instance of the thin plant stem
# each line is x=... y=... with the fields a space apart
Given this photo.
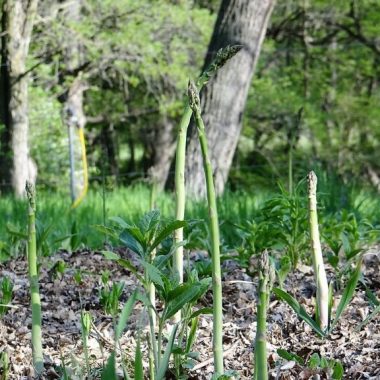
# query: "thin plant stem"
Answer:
x=221 y=58
x=319 y=268
x=38 y=361
x=267 y=276
x=194 y=102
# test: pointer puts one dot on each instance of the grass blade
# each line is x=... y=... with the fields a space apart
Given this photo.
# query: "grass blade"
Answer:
x=139 y=370
x=299 y=310
x=124 y=316
x=347 y=294
x=165 y=359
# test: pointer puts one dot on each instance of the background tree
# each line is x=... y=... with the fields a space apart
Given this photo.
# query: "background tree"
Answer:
x=16 y=29
x=241 y=22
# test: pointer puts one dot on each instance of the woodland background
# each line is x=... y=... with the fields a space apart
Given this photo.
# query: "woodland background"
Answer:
x=313 y=100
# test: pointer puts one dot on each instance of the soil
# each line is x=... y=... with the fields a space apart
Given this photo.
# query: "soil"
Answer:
x=62 y=301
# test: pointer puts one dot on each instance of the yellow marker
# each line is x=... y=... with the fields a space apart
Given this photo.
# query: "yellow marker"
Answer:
x=85 y=169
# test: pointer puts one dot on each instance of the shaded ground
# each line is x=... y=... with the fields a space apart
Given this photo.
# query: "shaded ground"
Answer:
x=359 y=352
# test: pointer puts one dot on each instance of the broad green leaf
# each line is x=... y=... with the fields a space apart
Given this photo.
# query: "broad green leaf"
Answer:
x=182 y=295
x=139 y=369
x=290 y=356
x=166 y=357
x=131 y=243
x=109 y=255
x=314 y=361
x=119 y=221
x=347 y=294
x=124 y=316
x=109 y=371
x=338 y=371
x=154 y=274
x=299 y=310
x=149 y=221
x=166 y=231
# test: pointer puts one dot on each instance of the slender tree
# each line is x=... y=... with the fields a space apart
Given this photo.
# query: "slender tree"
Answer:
x=16 y=30
x=242 y=22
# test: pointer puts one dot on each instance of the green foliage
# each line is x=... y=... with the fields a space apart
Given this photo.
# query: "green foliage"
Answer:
x=346 y=298
x=6 y=287
x=332 y=368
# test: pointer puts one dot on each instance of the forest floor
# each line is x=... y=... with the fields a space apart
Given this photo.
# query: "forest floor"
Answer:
x=359 y=352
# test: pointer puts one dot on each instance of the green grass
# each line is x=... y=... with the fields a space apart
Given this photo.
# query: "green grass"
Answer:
x=132 y=202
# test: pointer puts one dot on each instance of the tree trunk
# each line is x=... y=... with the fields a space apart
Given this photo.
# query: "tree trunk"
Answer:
x=164 y=148
x=17 y=23
x=241 y=22
x=73 y=111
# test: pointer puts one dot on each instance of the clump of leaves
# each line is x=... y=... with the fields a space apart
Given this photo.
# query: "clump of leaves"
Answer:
x=152 y=233
x=346 y=298
x=6 y=287
x=315 y=365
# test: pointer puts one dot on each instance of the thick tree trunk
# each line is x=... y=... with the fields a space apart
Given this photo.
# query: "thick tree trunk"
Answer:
x=241 y=22
x=17 y=24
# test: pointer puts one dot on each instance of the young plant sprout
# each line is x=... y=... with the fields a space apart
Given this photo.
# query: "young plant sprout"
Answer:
x=195 y=105
x=33 y=278
x=267 y=277
x=318 y=265
x=221 y=58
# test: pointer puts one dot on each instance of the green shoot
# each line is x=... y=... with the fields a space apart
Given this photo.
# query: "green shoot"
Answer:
x=195 y=105
x=267 y=277
x=221 y=58
x=38 y=360
x=319 y=268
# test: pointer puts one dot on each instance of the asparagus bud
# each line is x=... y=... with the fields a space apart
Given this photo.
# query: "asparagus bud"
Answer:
x=319 y=268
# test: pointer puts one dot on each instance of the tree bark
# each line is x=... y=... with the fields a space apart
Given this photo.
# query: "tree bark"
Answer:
x=16 y=164
x=241 y=22
x=73 y=110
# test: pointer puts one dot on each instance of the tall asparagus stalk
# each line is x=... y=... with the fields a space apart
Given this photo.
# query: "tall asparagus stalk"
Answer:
x=195 y=105
x=221 y=58
x=33 y=279
x=267 y=276
x=318 y=265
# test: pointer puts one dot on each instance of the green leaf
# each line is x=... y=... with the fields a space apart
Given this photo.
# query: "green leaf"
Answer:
x=314 y=361
x=166 y=357
x=139 y=369
x=106 y=230
x=299 y=310
x=166 y=231
x=290 y=356
x=149 y=221
x=347 y=294
x=119 y=221
x=131 y=243
x=154 y=274
x=109 y=255
x=370 y=316
x=192 y=334
x=204 y=310
x=109 y=371
x=338 y=371
x=182 y=295
x=124 y=316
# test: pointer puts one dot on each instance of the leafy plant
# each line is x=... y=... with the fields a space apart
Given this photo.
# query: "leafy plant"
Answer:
x=316 y=364
x=6 y=286
x=344 y=301
x=149 y=234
